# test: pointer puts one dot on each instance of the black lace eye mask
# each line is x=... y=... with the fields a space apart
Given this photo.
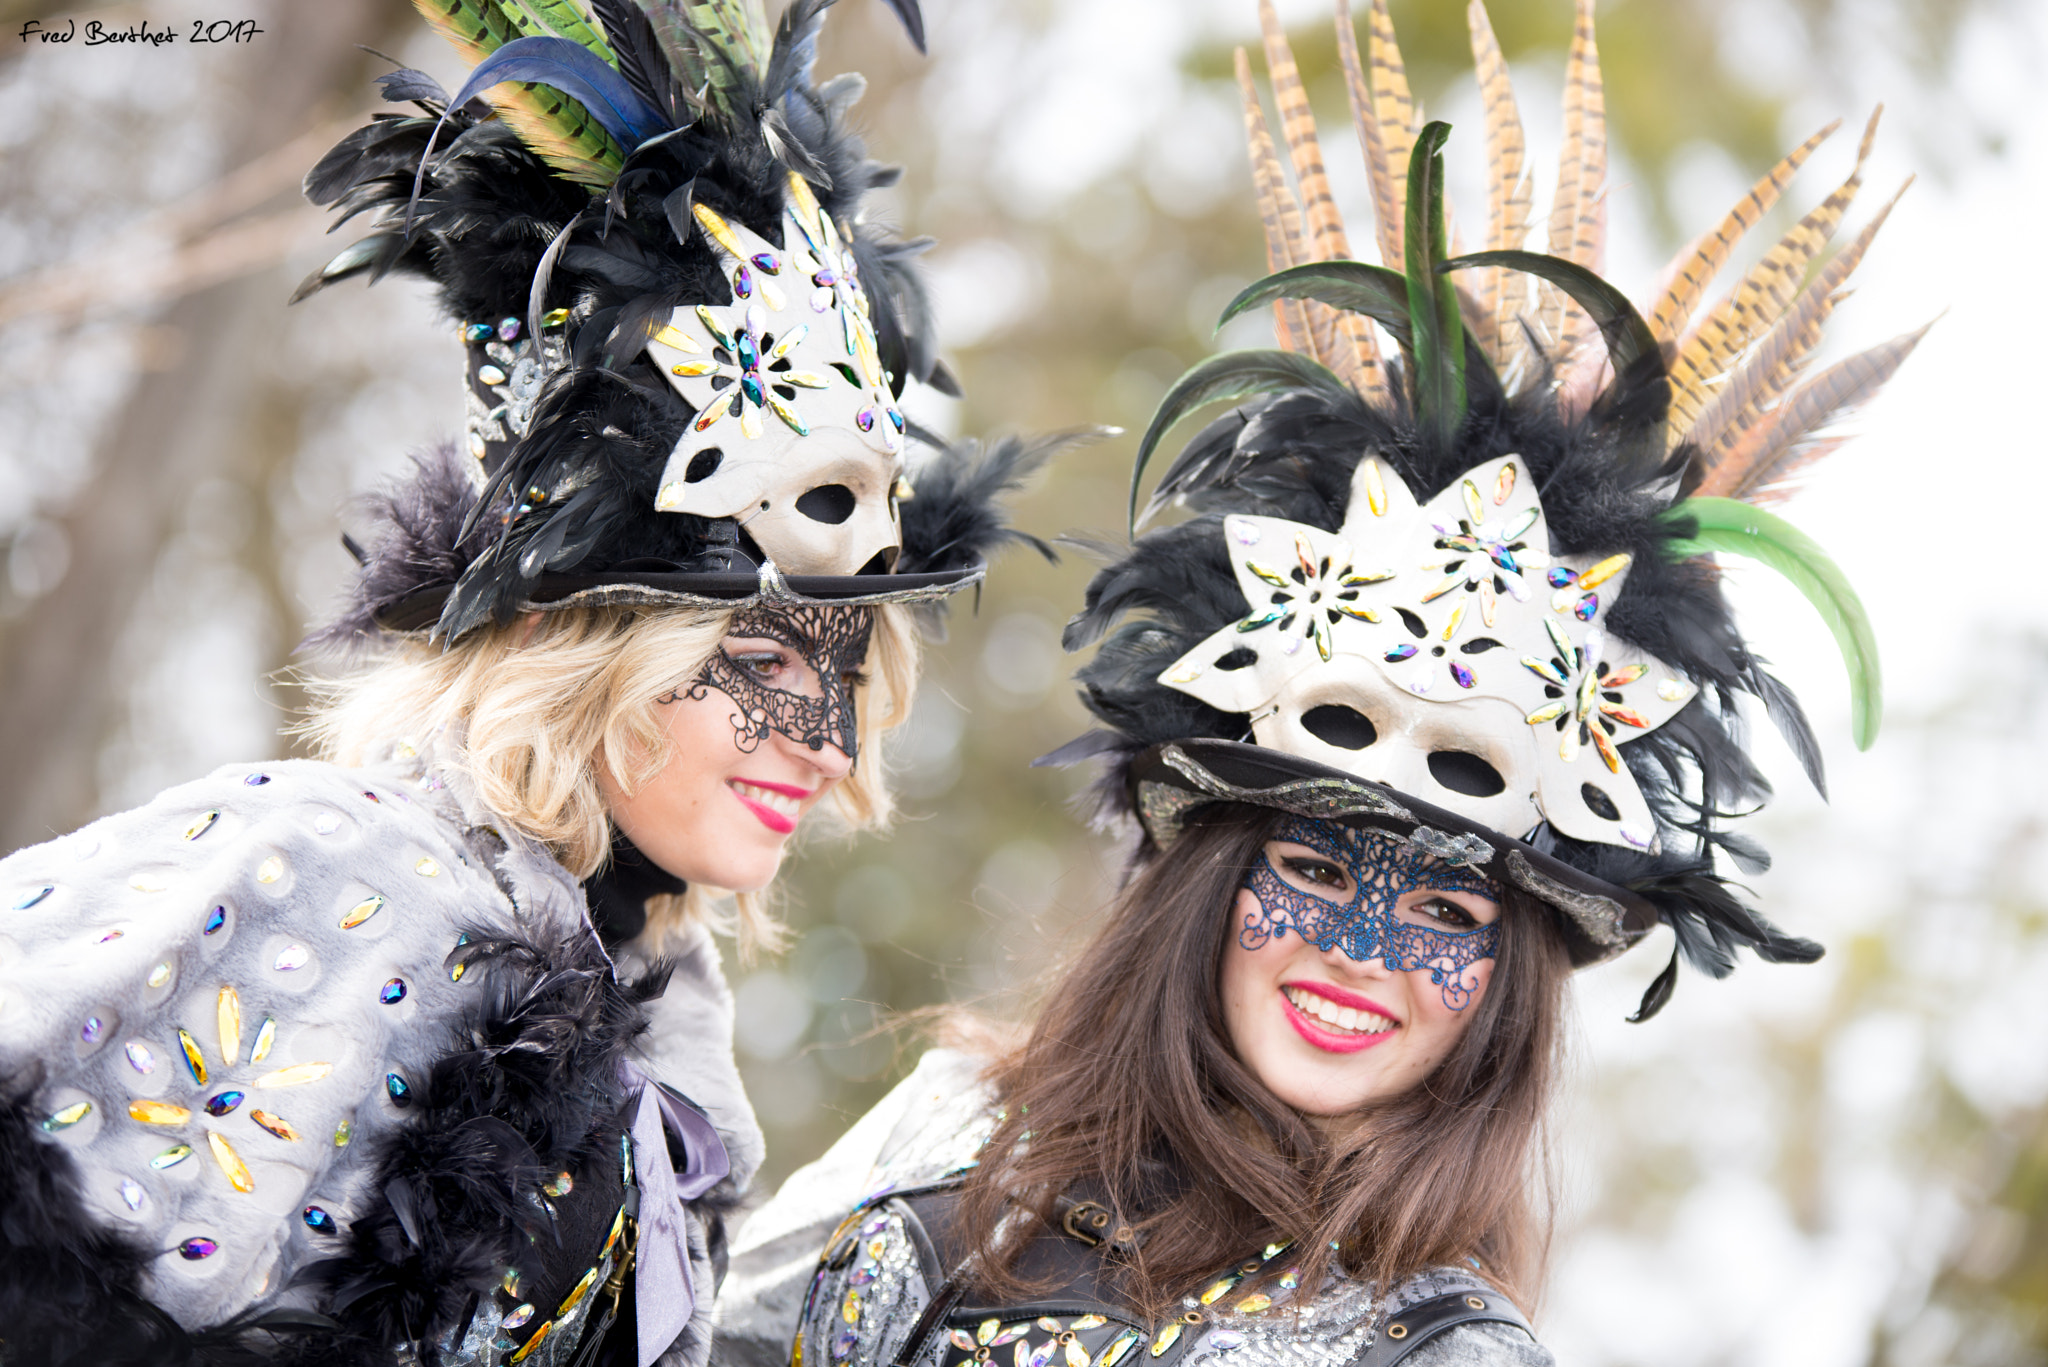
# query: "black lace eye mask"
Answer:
x=1382 y=868
x=832 y=641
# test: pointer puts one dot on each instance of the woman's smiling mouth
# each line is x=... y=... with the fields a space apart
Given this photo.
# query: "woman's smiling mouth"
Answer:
x=1332 y=1025
x=778 y=805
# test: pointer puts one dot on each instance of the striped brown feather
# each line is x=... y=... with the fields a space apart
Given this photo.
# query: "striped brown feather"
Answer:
x=1502 y=295
x=1758 y=301
x=1385 y=114
x=1784 y=446
x=1276 y=210
x=1699 y=263
x=1578 y=213
x=1769 y=370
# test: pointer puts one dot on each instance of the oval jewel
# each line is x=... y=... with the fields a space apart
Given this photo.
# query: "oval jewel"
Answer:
x=270 y=870
x=140 y=1057
x=291 y=957
x=508 y=329
x=1463 y=675
x=392 y=992
x=145 y=1112
x=171 y=1157
x=319 y=1221
x=277 y=1125
x=159 y=975
x=266 y=1035
x=560 y=1185
x=1588 y=605
x=215 y=919
x=362 y=911
x=399 y=1090
x=90 y=1031
x=33 y=896
x=222 y=1102
x=490 y=375
x=1400 y=652
x=195 y=1248
x=131 y=1192
x=519 y=1317
x=67 y=1117
x=202 y=825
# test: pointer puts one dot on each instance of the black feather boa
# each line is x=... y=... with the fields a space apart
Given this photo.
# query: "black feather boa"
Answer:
x=531 y=1091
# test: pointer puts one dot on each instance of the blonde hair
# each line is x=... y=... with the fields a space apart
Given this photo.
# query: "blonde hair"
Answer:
x=535 y=700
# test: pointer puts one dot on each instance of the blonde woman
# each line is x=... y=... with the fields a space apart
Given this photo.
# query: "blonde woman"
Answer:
x=419 y=1051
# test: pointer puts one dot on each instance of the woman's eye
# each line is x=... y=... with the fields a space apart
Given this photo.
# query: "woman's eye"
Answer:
x=1449 y=913
x=854 y=678
x=762 y=667
x=1318 y=872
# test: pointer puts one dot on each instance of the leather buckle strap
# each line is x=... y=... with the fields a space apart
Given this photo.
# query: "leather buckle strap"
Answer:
x=1409 y=1329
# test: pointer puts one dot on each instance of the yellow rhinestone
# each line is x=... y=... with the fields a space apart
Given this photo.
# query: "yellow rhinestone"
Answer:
x=202 y=825
x=295 y=1076
x=1605 y=570
x=194 y=1060
x=159 y=975
x=1375 y=491
x=276 y=1124
x=582 y=1289
x=1254 y=1303
x=228 y=1015
x=362 y=911
x=69 y=1116
x=1219 y=1289
x=539 y=1337
x=342 y=1134
x=1167 y=1338
x=270 y=870
x=231 y=1163
x=157 y=1112
x=427 y=868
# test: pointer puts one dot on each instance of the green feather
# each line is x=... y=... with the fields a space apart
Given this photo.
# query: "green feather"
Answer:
x=1375 y=291
x=1438 y=333
x=1628 y=337
x=1727 y=525
x=1234 y=375
x=560 y=19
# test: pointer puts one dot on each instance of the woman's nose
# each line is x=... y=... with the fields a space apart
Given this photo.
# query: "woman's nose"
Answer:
x=828 y=759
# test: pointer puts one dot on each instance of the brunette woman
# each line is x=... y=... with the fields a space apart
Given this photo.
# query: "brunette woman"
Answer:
x=1429 y=700
x=420 y=1052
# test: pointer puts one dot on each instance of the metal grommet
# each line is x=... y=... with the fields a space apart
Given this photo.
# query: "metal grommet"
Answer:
x=1250 y=1267
x=1192 y=1317
x=1397 y=1331
x=1475 y=1302
x=1123 y=1235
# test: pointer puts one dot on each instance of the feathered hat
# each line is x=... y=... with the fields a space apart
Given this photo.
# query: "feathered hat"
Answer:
x=685 y=349
x=1463 y=590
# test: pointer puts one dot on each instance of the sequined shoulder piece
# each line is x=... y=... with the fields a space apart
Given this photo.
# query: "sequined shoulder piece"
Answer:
x=231 y=993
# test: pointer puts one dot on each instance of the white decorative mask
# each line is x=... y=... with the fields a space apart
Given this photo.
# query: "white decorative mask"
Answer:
x=796 y=435
x=1439 y=649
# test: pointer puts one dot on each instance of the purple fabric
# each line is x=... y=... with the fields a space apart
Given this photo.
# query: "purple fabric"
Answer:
x=663 y=1290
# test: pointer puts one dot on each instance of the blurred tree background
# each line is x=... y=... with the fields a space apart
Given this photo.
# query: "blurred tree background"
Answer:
x=1840 y=1165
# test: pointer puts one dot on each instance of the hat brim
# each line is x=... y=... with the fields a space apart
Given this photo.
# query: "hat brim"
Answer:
x=711 y=589
x=1171 y=780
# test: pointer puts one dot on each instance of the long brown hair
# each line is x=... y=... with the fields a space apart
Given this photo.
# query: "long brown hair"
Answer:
x=1127 y=1091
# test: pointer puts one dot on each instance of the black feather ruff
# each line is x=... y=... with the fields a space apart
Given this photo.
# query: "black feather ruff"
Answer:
x=1292 y=454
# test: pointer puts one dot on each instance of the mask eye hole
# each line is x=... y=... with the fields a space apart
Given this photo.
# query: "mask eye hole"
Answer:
x=1599 y=803
x=1344 y=727
x=1241 y=658
x=828 y=503
x=1464 y=773
x=704 y=465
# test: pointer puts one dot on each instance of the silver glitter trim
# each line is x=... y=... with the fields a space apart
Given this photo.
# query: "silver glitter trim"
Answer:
x=1602 y=918
x=773 y=589
x=1164 y=807
x=1467 y=851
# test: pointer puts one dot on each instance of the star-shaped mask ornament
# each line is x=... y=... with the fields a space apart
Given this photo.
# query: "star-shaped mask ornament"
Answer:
x=1438 y=648
x=796 y=434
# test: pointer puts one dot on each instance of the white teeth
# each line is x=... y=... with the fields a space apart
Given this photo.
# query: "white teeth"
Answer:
x=774 y=802
x=1339 y=1017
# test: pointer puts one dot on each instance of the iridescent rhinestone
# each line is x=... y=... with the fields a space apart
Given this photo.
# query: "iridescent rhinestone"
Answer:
x=518 y=1317
x=33 y=896
x=275 y=1124
x=476 y=332
x=392 y=993
x=1587 y=606
x=1253 y=1304
x=319 y=1221
x=986 y=1330
x=959 y=1337
x=875 y=1226
x=865 y=419
x=131 y=1192
x=257 y=780
x=1120 y=1345
x=231 y=1163
x=171 y=1157
x=266 y=1035
x=1075 y=1354
x=1401 y=652
x=1636 y=835
x=327 y=823
x=228 y=1021
x=291 y=957
x=508 y=329
x=561 y=1184
x=1217 y=1289
x=427 y=868
x=215 y=919
x=1291 y=1279
x=1560 y=577
x=140 y=1057
x=554 y=318
x=159 y=975
x=202 y=825
x=843 y=1344
x=298 y=1075
x=270 y=870
x=398 y=1089
x=1087 y=1322
x=1042 y=1354
x=1168 y=1336
x=112 y=935
x=1672 y=690
x=1461 y=674
x=343 y=1133
x=195 y=1062
x=1223 y=1340
x=92 y=1029
x=863 y=1274
x=849 y=1310
x=67 y=1117
x=362 y=911
x=877 y=1247
x=222 y=1102
x=511 y=1282
x=490 y=375
x=146 y=1112
x=196 y=1247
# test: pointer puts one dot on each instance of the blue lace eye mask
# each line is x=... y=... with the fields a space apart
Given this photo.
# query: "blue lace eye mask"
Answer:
x=1382 y=869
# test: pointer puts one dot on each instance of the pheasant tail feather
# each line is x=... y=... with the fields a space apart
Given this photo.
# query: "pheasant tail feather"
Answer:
x=1276 y=211
x=1503 y=294
x=1578 y=213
